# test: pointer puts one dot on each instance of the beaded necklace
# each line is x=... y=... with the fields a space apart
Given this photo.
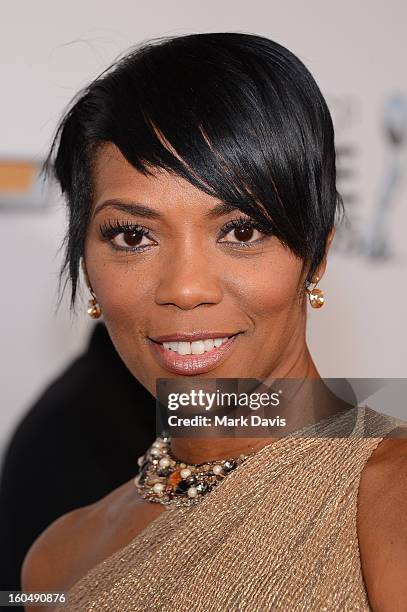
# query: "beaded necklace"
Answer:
x=165 y=480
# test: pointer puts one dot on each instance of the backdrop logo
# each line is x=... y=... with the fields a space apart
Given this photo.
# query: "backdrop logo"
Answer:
x=22 y=187
x=370 y=235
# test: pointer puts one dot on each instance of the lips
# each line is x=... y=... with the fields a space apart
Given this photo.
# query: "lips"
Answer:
x=189 y=365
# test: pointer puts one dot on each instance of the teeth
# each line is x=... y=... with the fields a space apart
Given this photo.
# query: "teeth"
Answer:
x=198 y=347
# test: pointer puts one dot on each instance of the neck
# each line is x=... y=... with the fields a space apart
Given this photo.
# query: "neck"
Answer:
x=202 y=449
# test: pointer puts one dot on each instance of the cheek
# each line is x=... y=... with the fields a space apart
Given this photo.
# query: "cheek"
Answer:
x=125 y=298
x=271 y=288
x=123 y=293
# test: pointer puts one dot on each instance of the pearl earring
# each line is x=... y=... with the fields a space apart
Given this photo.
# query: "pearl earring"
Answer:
x=94 y=310
x=316 y=296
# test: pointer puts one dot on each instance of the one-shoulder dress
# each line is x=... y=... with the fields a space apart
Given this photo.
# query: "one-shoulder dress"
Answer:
x=279 y=533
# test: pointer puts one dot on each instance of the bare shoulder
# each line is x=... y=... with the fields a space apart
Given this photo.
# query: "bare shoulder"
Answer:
x=81 y=539
x=61 y=553
x=382 y=524
x=55 y=559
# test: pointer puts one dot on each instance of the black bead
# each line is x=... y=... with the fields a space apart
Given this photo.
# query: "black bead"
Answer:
x=163 y=471
x=182 y=487
x=229 y=465
x=202 y=487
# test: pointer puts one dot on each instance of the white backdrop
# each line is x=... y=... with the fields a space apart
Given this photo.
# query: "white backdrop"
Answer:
x=357 y=53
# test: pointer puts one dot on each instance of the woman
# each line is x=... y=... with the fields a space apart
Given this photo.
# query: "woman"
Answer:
x=199 y=173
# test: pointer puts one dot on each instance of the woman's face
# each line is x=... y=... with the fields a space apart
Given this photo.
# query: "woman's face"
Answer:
x=190 y=274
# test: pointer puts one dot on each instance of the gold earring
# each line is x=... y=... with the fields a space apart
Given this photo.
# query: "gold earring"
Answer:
x=94 y=310
x=316 y=296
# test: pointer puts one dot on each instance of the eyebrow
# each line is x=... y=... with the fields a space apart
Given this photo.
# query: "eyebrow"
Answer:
x=141 y=210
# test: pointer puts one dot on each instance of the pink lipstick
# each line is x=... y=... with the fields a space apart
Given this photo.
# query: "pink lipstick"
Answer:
x=189 y=365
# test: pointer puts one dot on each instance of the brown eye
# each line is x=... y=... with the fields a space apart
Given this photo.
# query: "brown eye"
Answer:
x=132 y=239
x=243 y=234
x=126 y=236
x=241 y=231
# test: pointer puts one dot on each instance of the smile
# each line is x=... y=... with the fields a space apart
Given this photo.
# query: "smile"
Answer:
x=196 y=357
x=198 y=347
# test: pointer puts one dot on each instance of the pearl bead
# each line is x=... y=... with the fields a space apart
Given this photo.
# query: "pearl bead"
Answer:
x=155 y=451
x=185 y=473
x=140 y=461
x=156 y=444
x=217 y=469
x=164 y=462
x=158 y=487
x=192 y=492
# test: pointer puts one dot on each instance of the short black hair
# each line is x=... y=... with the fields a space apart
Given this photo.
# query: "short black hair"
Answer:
x=246 y=118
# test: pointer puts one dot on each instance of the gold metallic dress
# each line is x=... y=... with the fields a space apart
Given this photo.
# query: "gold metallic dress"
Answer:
x=279 y=533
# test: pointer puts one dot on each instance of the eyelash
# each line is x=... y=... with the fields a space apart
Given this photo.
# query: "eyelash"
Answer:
x=111 y=229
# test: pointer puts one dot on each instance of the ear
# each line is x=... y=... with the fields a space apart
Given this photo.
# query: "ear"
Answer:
x=322 y=266
x=85 y=273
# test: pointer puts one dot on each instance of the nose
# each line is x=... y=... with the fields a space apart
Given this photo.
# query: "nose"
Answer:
x=188 y=280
